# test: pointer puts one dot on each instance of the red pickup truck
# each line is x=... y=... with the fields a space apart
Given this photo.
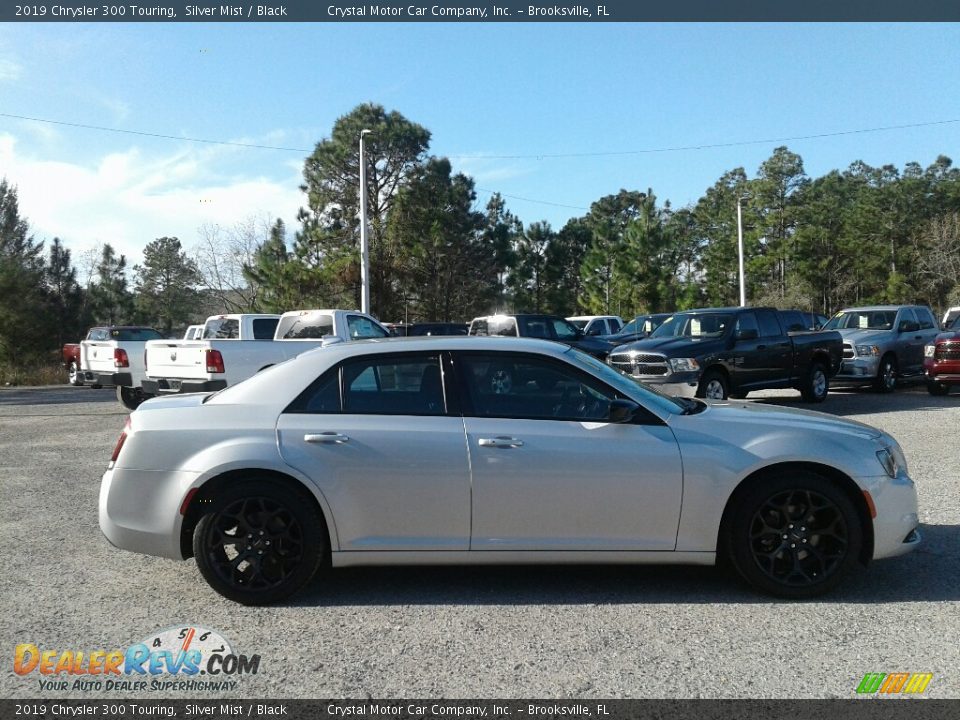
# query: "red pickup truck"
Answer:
x=941 y=361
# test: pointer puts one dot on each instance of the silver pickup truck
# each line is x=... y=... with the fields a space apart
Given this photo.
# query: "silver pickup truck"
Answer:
x=882 y=343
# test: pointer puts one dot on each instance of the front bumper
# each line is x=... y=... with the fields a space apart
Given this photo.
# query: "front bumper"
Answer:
x=121 y=379
x=673 y=384
x=896 y=526
x=140 y=510
x=860 y=369
x=170 y=386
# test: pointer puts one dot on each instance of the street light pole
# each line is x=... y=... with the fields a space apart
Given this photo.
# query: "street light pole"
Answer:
x=743 y=287
x=364 y=244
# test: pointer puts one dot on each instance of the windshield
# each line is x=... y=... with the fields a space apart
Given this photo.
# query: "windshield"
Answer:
x=565 y=330
x=135 y=334
x=862 y=320
x=694 y=325
x=626 y=384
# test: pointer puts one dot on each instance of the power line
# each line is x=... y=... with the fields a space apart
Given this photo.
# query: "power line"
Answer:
x=542 y=202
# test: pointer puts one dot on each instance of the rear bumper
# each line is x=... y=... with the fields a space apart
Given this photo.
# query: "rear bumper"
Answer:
x=123 y=379
x=169 y=386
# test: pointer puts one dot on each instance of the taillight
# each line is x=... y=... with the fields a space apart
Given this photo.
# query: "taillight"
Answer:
x=120 y=441
x=214 y=361
x=120 y=358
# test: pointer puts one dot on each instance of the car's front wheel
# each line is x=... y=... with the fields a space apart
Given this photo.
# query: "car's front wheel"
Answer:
x=937 y=388
x=713 y=386
x=886 y=380
x=794 y=536
x=260 y=543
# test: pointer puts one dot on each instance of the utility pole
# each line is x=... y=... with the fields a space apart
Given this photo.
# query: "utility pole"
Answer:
x=364 y=243
x=743 y=286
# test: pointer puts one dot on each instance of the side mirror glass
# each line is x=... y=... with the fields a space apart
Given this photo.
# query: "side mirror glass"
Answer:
x=330 y=340
x=909 y=326
x=622 y=410
x=748 y=334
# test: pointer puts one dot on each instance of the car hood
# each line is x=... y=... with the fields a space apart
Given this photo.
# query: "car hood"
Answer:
x=861 y=337
x=740 y=417
x=949 y=335
x=673 y=346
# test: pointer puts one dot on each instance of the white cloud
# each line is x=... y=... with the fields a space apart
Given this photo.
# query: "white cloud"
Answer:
x=10 y=70
x=132 y=197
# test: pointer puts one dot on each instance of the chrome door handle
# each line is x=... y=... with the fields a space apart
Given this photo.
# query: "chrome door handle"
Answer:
x=500 y=441
x=325 y=438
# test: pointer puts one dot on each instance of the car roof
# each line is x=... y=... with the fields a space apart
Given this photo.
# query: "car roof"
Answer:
x=875 y=308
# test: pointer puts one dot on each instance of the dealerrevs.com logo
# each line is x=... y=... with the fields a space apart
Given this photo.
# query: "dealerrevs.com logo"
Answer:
x=894 y=683
x=182 y=657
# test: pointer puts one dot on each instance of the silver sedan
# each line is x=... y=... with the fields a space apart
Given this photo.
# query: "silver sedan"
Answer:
x=495 y=450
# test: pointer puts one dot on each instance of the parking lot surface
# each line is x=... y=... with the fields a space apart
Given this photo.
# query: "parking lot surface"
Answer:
x=604 y=632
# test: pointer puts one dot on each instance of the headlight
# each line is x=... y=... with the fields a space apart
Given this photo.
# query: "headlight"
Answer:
x=892 y=460
x=684 y=365
x=928 y=350
x=868 y=350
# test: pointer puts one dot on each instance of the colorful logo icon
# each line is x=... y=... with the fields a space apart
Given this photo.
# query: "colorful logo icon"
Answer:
x=894 y=683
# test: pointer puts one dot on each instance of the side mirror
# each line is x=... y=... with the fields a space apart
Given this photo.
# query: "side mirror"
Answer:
x=595 y=330
x=748 y=334
x=330 y=340
x=909 y=326
x=622 y=411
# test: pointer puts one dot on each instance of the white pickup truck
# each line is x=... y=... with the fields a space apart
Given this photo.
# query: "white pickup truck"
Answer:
x=113 y=357
x=234 y=348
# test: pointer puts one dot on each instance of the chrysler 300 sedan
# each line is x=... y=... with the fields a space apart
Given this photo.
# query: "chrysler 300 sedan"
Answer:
x=495 y=450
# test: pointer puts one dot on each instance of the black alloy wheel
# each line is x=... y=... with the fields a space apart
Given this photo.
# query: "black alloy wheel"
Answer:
x=260 y=544
x=795 y=536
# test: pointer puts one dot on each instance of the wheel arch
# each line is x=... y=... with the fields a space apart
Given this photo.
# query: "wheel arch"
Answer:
x=843 y=481
x=212 y=486
x=720 y=367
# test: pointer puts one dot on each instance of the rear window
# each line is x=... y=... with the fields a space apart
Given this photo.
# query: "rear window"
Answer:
x=503 y=326
x=135 y=334
x=306 y=326
x=222 y=329
x=264 y=328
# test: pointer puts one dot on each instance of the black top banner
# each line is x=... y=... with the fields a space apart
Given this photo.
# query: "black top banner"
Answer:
x=336 y=11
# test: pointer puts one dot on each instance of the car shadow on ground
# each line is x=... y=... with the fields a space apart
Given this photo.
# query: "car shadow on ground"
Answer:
x=853 y=401
x=56 y=395
x=929 y=574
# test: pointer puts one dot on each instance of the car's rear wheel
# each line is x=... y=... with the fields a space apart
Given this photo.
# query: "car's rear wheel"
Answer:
x=260 y=543
x=937 y=388
x=74 y=374
x=131 y=398
x=815 y=385
x=886 y=380
x=795 y=536
x=713 y=386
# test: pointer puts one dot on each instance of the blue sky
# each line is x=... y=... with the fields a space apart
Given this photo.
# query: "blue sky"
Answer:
x=481 y=89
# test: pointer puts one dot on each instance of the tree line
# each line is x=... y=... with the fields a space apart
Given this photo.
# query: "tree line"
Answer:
x=860 y=235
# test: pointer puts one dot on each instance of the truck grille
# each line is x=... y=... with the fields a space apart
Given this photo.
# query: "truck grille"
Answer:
x=640 y=365
x=848 y=352
x=947 y=351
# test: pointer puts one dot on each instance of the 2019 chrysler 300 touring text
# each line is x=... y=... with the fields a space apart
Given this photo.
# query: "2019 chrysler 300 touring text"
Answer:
x=495 y=450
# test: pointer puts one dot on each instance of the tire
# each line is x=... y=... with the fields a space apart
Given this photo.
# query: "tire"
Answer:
x=794 y=536
x=937 y=388
x=131 y=398
x=886 y=380
x=286 y=535
x=74 y=374
x=816 y=385
x=713 y=386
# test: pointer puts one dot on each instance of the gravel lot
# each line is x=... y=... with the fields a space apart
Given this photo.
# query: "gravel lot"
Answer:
x=603 y=632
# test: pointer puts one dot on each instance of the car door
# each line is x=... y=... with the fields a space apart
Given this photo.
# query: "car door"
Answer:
x=378 y=438
x=550 y=473
x=910 y=342
x=776 y=349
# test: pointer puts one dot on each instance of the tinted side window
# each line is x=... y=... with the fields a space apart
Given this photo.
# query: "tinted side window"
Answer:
x=747 y=321
x=264 y=328
x=615 y=326
x=769 y=325
x=906 y=315
x=222 y=329
x=323 y=395
x=537 y=328
x=516 y=386
x=926 y=319
x=411 y=385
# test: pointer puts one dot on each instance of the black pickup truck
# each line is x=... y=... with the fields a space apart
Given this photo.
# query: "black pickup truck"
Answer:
x=718 y=353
